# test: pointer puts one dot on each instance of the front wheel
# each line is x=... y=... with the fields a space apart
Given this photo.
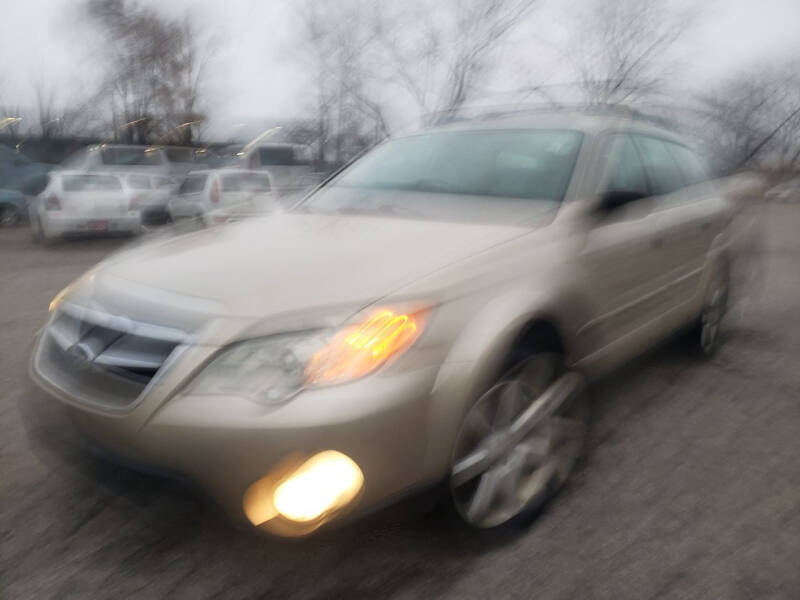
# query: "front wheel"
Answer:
x=706 y=333
x=518 y=443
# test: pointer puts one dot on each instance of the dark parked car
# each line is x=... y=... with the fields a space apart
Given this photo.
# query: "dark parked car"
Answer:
x=19 y=173
x=12 y=207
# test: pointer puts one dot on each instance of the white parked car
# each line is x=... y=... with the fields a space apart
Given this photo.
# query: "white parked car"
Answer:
x=288 y=164
x=218 y=196
x=78 y=203
x=149 y=194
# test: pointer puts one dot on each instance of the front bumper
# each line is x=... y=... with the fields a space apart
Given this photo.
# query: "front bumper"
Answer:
x=228 y=214
x=227 y=444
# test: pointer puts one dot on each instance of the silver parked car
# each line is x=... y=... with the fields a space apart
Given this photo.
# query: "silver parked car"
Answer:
x=216 y=196
x=149 y=194
x=164 y=160
x=431 y=314
x=288 y=164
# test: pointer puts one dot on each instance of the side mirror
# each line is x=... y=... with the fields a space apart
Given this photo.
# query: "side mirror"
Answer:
x=614 y=199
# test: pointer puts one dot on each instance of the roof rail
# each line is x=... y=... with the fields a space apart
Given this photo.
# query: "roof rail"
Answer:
x=483 y=113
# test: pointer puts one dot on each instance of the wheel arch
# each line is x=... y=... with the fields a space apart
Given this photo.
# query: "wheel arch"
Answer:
x=517 y=324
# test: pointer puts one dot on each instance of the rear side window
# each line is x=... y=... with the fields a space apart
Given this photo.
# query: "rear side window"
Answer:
x=139 y=182
x=90 y=183
x=693 y=169
x=626 y=172
x=665 y=176
x=245 y=182
x=193 y=184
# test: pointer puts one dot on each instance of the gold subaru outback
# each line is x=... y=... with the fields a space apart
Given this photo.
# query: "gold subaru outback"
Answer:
x=430 y=314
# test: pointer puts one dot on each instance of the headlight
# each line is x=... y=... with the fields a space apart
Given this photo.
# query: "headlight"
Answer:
x=272 y=369
x=269 y=369
x=364 y=346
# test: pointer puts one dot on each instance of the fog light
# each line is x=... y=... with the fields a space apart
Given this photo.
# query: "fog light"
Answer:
x=325 y=482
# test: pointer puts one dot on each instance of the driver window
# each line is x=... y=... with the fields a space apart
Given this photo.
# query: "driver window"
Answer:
x=661 y=166
x=625 y=167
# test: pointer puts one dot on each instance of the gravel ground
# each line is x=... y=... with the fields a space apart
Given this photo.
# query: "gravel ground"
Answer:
x=690 y=488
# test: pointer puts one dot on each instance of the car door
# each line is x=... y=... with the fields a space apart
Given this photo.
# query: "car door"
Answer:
x=686 y=215
x=702 y=206
x=621 y=258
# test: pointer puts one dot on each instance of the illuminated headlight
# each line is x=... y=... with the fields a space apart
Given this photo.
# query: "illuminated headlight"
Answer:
x=272 y=369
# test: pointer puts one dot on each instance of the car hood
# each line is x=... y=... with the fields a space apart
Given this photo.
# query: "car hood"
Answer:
x=291 y=262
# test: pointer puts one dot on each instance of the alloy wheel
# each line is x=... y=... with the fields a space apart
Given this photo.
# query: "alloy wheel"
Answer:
x=518 y=442
x=711 y=317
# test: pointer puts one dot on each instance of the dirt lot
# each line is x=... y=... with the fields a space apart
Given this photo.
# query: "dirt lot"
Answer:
x=691 y=486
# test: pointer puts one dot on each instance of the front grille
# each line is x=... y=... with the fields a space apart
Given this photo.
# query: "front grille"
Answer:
x=103 y=359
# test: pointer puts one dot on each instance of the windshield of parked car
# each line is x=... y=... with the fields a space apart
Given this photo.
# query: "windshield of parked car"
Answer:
x=180 y=155
x=479 y=171
x=90 y=183
x=130 y=156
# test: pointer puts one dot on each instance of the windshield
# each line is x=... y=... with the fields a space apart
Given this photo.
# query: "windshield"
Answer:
x=472 y=170
x=90 y=183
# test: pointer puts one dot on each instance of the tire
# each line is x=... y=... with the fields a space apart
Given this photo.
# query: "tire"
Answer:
x=9 y=216
x=705 y=334
x=511 y=457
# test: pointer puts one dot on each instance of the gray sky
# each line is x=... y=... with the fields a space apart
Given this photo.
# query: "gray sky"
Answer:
x=252 y=73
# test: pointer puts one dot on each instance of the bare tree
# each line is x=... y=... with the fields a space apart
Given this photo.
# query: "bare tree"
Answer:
x=753 y=118
x=337 y=52
x=362 y=55
x=154 y=71
x=10 y=120
x=57 y=118
x=442 y=53
x=621 y=48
